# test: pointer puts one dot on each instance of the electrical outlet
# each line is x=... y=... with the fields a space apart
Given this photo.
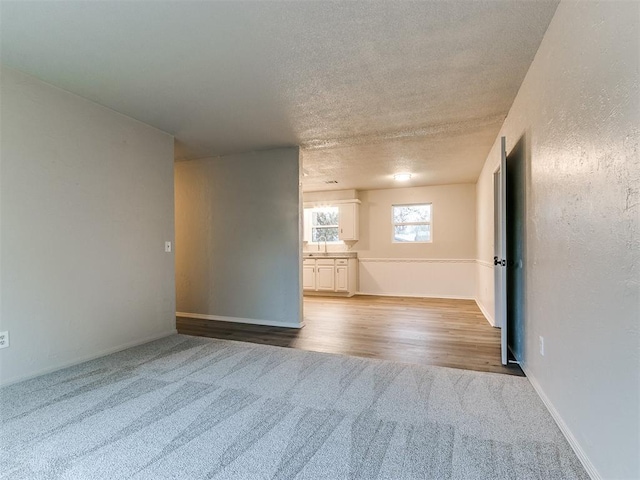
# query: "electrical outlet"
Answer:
x=541 y=338
x=4 y=339
x=167 y=247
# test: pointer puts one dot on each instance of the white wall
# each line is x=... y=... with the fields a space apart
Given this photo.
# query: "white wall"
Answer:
x=444 y=268
x=579 y=113
x=86 y=205
x=238 y=238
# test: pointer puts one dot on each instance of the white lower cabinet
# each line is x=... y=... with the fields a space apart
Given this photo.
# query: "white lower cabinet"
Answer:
x=325 y=275
x=309 y=275
x=342 y=277
x=329 y=275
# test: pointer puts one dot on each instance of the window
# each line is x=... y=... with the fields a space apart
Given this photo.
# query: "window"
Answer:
x=324 y=224
x=412 y=223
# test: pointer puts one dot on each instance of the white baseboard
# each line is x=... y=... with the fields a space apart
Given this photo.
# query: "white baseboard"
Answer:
x=252 y=321
x=93 y=356
x=446 y=297
x=489 y=318
x=582 y=456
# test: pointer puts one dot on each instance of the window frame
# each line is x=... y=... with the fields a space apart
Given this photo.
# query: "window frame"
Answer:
x=312 y=226
x=394 y=224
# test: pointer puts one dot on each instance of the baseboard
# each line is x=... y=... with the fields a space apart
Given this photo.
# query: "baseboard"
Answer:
x=484 y=311
x=252 y=321
x=582 y=456
x=93 y=356
x=444 y=297
x=314 y=293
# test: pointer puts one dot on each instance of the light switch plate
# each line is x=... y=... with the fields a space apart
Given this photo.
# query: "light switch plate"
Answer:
x=4 y=339
x=167 y=247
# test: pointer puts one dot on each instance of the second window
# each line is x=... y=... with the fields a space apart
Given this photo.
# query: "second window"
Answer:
x=412 y=223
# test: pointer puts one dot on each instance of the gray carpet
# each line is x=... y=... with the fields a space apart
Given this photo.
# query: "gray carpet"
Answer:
x=196 y=408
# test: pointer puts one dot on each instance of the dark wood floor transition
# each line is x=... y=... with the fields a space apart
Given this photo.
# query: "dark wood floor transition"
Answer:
x=449 y=333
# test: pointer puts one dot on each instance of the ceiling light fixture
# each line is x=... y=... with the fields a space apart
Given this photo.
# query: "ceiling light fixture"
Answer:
x=402 y=177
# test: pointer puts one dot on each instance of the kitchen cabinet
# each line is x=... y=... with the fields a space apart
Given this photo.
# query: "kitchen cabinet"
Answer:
x=330 y=276
x=325 y=275
x=348 y=218
x=342 y=277
x=309 y=275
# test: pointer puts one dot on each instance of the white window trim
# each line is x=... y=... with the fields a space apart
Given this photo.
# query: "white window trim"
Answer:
x=394 y=223
x=309 y=222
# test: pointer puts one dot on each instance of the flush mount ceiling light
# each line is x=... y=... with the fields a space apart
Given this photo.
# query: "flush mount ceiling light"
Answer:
x=402 y=177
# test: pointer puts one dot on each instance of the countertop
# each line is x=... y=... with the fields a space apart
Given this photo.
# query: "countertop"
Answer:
x=330 y=255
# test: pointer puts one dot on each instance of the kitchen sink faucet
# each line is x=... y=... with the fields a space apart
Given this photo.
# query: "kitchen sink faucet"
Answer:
x=325 y=244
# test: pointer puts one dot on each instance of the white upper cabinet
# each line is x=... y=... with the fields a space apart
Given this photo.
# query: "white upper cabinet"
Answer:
x=348 y=222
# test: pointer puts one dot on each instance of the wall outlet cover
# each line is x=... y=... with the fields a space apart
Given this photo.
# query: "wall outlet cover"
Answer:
x=4 y=339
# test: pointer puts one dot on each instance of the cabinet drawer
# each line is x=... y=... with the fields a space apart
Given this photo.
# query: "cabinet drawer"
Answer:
x=324 y=261
x=309 y=261
x=341 y=261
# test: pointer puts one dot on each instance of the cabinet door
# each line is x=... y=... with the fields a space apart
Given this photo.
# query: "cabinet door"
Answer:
x=325 y=277
x=308 y=277
x=342 y=279
x=348 y=221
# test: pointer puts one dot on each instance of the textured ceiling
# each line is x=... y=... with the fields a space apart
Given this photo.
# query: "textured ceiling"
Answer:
x=366 y=88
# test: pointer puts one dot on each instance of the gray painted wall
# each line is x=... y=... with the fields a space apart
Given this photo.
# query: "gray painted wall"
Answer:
x=579 y=110
x=86 y=201
x=238 y=237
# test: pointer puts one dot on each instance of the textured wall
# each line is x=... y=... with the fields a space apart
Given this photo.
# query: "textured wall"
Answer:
x=579 y=113
x=86 y=205
x=238 y=237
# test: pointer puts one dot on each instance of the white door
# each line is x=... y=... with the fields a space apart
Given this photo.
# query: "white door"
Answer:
x=309 y=277
x=325 y=277
x=342 y=279
x=500 y=247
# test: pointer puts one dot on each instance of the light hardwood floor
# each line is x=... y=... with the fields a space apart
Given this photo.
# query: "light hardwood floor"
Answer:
x=449 y=333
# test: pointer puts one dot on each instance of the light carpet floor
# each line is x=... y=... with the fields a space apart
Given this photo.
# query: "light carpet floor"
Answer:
x=195 y=408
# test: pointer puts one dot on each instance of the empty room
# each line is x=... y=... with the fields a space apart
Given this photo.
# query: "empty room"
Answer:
x=320 y=240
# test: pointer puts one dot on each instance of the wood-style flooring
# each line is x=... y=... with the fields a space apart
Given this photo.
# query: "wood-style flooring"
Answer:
x=448 y=333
